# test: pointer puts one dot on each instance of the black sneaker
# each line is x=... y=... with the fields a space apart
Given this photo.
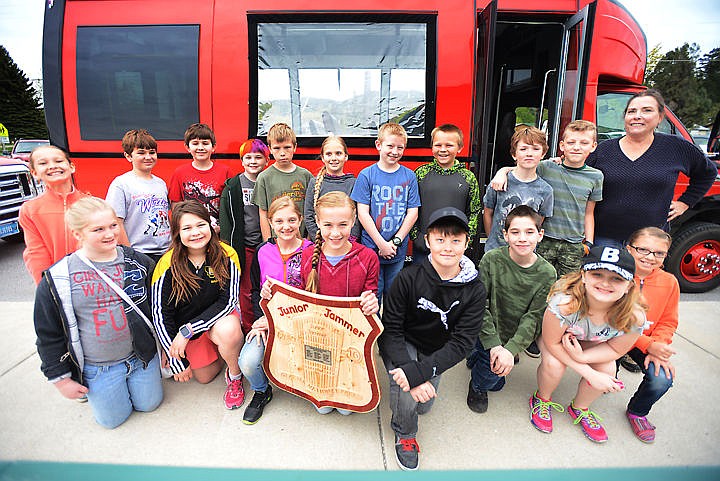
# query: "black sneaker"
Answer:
x=255 y=409
x=406 y=453
x=477 y=401
x=533 y=350
x=628 y=363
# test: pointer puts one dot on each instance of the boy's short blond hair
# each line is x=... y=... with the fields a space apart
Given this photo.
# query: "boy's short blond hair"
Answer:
x=448 y=129
x=281 y=132
x=529 y=135
x=581 y=126
x=391 y=128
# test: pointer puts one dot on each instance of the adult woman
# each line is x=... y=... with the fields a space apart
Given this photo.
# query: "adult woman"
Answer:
x=641 y=170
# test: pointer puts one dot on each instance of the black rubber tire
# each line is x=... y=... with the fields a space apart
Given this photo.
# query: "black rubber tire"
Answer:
x=687 y=237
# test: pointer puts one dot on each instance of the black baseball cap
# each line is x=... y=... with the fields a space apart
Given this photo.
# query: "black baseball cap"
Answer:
x=612 y=259
x=449 y=213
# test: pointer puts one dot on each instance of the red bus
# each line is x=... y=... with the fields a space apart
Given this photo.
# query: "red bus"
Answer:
x=329 y=66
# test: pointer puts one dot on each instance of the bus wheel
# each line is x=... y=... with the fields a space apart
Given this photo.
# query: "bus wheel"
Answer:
x=694 y=257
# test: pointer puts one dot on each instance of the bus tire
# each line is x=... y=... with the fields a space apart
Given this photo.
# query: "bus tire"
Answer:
x=694 y=257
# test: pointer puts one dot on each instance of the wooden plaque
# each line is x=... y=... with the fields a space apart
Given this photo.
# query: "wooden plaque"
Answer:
x=321 y=348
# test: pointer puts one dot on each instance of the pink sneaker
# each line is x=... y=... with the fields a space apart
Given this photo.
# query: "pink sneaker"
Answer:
x=590 y=423
x=540 y=413
x=642 y=428
x=234 y=394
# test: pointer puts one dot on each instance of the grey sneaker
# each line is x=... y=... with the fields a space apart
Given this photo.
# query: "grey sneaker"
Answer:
x=406 y=453
x=255 y=409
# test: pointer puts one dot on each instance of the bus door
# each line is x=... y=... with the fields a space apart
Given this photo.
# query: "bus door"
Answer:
x=537 y=76
x=485 y=108
x=577 y=34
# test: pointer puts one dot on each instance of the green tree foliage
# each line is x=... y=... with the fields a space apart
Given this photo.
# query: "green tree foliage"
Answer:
x=710 y=78
x=20 y=109
x=679 y=76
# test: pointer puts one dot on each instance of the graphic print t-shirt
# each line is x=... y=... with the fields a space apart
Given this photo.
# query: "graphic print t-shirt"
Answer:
x=104 y=332
x=389 y=196
x=205 y=186
x=143 y=205
x=251 y=213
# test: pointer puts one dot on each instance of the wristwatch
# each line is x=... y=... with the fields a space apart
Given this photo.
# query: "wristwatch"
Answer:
x=186 y=332
x=396 y=241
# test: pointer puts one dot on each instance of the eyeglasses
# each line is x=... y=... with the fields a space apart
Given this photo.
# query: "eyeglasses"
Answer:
x=643 y=252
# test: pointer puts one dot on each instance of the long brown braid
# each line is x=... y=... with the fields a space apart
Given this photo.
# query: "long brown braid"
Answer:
x=329 y=200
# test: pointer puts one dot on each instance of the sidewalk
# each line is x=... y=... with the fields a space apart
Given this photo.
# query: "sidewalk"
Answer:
x=192 y=428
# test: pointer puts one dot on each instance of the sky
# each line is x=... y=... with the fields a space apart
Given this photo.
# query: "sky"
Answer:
x=667 y=22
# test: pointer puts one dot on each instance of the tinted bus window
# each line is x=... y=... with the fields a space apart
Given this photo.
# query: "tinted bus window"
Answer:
x=342 y=78
x=127 y=76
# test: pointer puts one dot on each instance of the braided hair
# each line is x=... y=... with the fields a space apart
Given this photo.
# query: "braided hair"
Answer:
x=321 y=175
x=329 y=200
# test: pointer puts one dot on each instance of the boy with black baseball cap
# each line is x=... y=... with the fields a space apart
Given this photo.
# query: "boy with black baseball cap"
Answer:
x=432 y=317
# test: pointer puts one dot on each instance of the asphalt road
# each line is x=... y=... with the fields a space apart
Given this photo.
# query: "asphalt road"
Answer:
x=15 y=282
x=17 y=285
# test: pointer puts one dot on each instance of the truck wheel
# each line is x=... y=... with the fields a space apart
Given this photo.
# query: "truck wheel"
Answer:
x=694 y=257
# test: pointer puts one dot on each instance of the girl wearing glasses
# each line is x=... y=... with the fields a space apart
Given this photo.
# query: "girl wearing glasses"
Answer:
x=652 y=351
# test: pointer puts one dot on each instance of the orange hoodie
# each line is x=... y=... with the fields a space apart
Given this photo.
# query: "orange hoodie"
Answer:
x=47 y=239
x=662 y=294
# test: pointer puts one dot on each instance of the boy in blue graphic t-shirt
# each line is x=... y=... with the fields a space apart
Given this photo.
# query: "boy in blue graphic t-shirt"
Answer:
x=387 y=203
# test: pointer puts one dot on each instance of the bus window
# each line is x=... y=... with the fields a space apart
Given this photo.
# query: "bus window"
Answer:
x=341 y=78
x=131 y=73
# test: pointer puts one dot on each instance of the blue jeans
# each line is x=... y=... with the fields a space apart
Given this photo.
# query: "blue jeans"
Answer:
x=405 y=409
x=115 y=391
x=651 y=388
x=388 y=272
x=250 y=361
x=482 y=379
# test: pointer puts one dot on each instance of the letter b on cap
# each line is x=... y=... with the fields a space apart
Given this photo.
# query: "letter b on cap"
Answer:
x=610 y=254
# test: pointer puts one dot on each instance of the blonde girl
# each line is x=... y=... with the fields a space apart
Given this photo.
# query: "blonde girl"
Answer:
x=337 y=266
x=90 y=342
x=653 y=351
x=196 y=285
x=334 y=154
x=279 y=259
x=593 y=317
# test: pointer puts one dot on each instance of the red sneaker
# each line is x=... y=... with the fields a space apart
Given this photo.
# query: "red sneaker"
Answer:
x=590 y=423
x=541 y=414
x=234 y=394
x=642 y=428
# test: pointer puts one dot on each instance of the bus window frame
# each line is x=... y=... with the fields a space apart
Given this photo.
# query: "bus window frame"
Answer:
x=431 y=52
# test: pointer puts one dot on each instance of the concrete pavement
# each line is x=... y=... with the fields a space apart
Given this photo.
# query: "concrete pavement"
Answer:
x=192 y=428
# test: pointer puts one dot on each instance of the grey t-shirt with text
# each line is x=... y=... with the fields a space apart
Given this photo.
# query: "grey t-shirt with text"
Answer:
x=104 y=332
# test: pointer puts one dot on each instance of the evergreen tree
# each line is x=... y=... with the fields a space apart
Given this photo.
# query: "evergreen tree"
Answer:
x=20 y=109
x=710 y=79
x=677 y=77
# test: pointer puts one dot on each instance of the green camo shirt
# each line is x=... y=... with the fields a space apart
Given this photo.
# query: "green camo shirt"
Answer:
x=516 y=299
